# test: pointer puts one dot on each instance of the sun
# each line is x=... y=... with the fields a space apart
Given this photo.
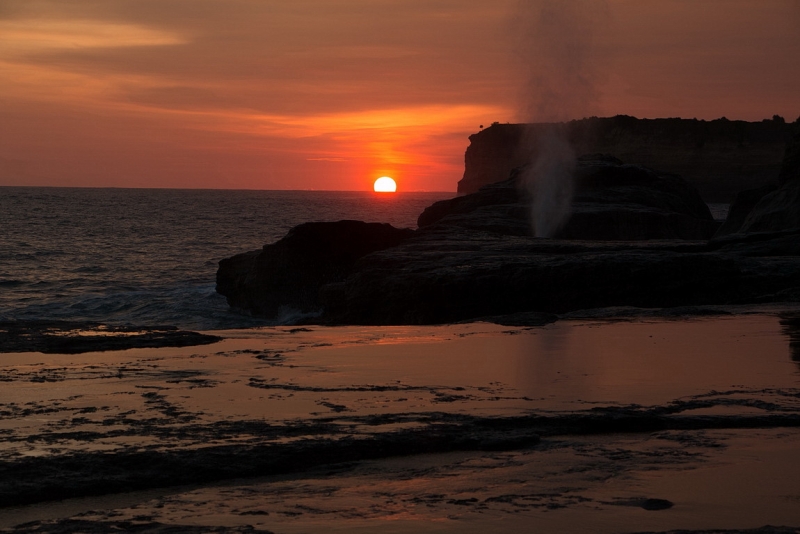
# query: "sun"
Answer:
x=384 y=184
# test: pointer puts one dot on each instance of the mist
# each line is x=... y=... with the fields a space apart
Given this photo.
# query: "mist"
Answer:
x=557 y=61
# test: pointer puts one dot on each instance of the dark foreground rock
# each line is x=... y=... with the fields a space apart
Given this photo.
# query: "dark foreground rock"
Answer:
x=288 y=274
x=462 y=266
x=636 y=238
x=452 y=277
x=474 y=256
x=67 y=337
x=447 y=274
x=71 y=526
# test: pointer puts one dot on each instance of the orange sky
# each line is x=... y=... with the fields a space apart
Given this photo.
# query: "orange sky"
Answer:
x=331 y=94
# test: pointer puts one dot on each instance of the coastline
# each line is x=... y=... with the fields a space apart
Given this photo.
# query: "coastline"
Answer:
x=364 y=408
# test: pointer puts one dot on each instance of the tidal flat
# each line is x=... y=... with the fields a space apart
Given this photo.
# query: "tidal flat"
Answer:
x=583 y=425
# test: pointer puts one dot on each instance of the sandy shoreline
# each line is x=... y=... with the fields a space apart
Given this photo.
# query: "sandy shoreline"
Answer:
x=646 y=425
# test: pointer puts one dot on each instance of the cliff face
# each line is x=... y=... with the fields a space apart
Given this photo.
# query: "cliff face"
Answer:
x=719 y=158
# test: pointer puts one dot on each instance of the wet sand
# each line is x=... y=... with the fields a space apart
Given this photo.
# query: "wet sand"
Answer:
x=627 y=426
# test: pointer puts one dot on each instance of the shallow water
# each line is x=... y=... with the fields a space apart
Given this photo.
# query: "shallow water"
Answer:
x=715 y=366
x=584 y=422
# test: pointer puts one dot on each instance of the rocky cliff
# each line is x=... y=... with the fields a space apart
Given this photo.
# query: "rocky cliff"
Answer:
x=473 y=258
x=636 y=238
x=719 y=158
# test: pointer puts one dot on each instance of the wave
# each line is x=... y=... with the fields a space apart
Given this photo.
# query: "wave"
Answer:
x=190 y=306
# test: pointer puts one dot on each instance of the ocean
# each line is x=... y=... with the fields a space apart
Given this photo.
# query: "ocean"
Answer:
x=149 y=257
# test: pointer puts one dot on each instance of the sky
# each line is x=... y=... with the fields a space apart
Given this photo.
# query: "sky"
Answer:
x=332 y=94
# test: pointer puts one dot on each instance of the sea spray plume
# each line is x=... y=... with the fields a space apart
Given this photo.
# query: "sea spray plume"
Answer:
x=549 y=181
x=556 y=49
x=558 y=58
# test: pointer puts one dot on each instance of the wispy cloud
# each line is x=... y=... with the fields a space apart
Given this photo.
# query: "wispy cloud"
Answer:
x=31 y=35
x=263 y=92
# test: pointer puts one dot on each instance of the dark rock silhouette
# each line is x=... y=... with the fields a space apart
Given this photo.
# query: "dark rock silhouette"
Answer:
x=72 y=337
x=636 y=238
x=457 y=276
x=290 y=272
x=612 y=201
x=450 y=274
x=771 y=209
x=719 y=158
x=740 y=208
x=776 y=211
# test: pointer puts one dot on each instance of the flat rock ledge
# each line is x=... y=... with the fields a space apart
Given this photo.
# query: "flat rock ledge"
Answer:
x=440 y=279
x=70 y=337
x=456 y=275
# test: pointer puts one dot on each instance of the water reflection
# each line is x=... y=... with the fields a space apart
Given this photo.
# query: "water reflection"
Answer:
x=565 y=365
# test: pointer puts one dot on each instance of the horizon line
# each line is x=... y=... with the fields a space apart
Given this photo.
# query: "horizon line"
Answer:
x=218 y=189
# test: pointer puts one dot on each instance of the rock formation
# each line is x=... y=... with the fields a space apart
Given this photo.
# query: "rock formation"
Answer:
x=743 y=203
x=289 y=273
x=719 y=158
x=770 y=209
x=75 y=337
x=612 y=201
x=636 y=238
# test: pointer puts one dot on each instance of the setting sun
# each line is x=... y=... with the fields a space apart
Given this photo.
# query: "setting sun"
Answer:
x=384 y=184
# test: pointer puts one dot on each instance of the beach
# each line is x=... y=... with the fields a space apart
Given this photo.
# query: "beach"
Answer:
x=404 y=267
x=636 y=425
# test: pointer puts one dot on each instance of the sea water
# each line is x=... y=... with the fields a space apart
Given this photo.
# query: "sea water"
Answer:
x=150 y=256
